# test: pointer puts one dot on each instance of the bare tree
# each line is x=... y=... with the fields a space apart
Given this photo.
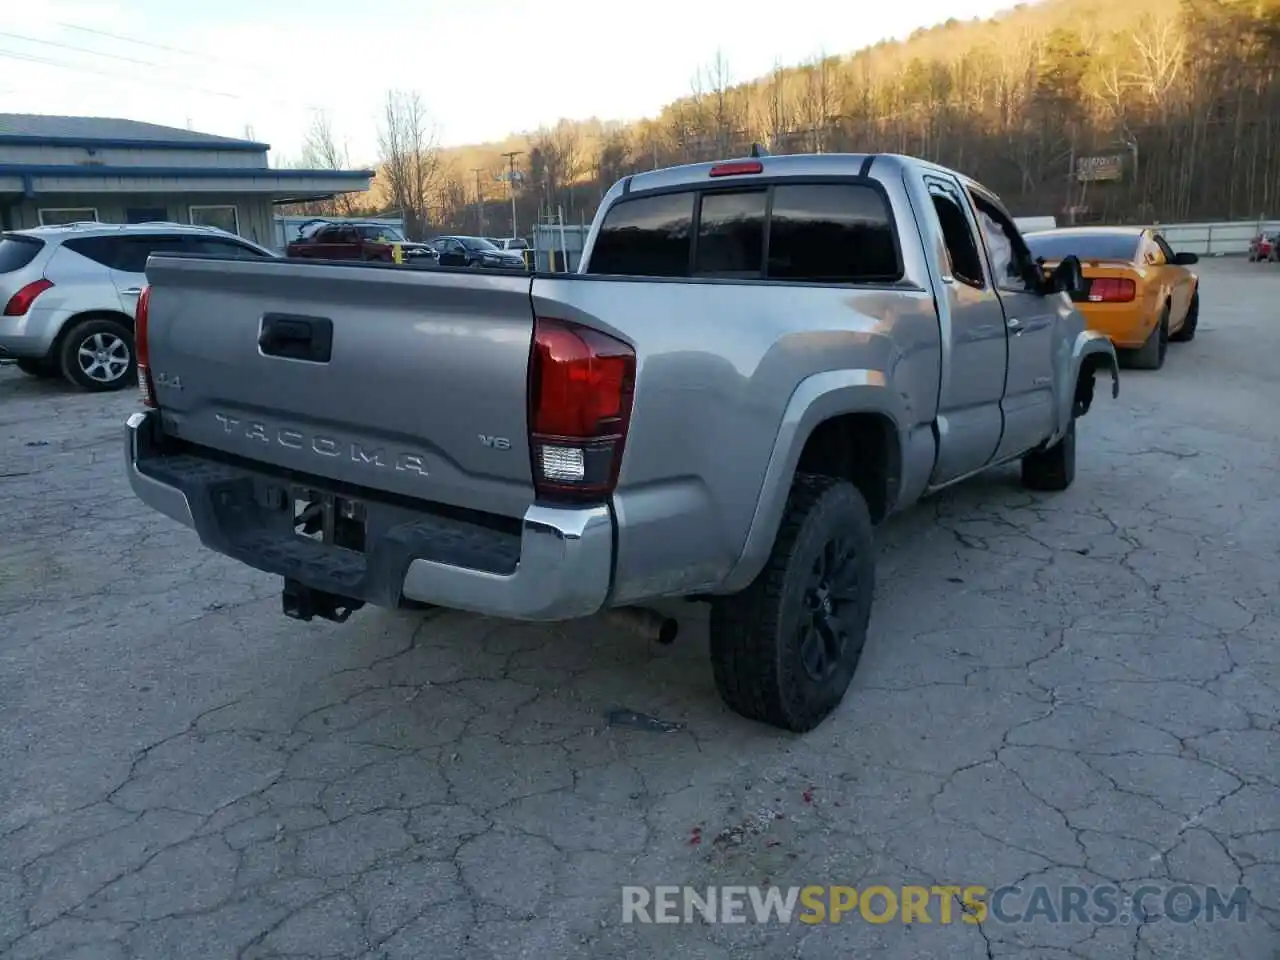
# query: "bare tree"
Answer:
x=556 y=162
x=777 y=119
x=1161 y=53
x=723 y=121
x=410 y=157
x=321 y=150
x=818 y=100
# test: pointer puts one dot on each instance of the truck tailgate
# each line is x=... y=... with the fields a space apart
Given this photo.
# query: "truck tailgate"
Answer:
x=411 y=382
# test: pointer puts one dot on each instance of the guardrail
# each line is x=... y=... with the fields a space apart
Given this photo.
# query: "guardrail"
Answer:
x=1225 y=238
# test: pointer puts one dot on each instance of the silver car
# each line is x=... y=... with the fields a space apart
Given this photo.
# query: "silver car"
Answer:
x=69 y=294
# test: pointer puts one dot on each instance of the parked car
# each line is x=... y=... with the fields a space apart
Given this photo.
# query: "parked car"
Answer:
x=697 y=414
x=456 y=251
x=344 y=240
x=1137 y=290
x=69 y=293
x=1265 y=246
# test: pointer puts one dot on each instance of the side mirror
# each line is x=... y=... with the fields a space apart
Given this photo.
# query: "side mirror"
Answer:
x=1068 y=276
x=1185 y=259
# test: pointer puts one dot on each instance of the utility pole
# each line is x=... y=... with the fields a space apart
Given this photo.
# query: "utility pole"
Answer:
x=511 y=182
x=479 y=201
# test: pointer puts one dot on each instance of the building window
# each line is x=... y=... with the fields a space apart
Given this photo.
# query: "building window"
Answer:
x=222 y=215
x=52 y=216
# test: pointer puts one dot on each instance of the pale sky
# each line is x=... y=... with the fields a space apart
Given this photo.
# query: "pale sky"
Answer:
x=485 y=68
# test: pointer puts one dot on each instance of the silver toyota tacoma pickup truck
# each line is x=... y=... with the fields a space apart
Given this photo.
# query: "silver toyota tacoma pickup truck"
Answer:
x=758 y=361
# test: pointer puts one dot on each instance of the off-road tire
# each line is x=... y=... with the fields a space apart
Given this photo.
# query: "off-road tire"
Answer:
x=83 y=333
x=756 y=635
x=1053 y=468
x=1187 y=332
x=1150 y=356
x=38 y=368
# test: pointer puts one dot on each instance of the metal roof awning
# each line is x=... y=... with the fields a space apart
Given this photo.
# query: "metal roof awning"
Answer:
x=32 y=180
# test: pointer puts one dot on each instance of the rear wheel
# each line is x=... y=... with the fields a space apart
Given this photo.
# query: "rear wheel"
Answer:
x=1150 y=356
x=785 y=649
x=38 y=368
x=97 y=355
x=1187 y=332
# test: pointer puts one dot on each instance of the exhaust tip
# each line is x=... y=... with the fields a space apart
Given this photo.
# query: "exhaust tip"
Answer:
x=646 y=623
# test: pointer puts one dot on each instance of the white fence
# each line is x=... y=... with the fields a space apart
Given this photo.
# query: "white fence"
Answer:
x=1223 y=238
x=1227 y=238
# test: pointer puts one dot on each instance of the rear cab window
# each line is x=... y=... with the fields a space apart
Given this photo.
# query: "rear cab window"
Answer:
x=17 y=251
x=822 y=232
x=646 y=237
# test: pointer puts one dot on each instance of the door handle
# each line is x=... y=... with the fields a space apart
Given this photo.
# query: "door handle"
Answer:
x=132 y=292
x=283 y=332
x=1014 y=324
x=293 y=337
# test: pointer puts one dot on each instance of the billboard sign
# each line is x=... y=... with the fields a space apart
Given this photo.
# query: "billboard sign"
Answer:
x=1105 y=167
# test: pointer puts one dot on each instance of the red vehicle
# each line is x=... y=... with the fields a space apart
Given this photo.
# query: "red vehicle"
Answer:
x=1265 y=246
x=352 y=241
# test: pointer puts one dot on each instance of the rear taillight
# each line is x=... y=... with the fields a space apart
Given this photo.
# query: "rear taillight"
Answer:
x=736 y=168
x=581 y=383
x=21 y=301
x=141 y=349
x=1111 y=290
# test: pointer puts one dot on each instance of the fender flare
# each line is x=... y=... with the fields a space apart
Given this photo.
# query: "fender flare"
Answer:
x=1091 y=352
x=816 y=398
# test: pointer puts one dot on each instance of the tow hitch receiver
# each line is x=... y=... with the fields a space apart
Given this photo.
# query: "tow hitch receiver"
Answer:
x=300 y=602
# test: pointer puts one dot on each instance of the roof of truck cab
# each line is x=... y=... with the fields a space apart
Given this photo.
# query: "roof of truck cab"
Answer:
x=791 y=164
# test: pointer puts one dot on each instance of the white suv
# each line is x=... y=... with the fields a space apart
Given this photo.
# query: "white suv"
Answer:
x=69 y=293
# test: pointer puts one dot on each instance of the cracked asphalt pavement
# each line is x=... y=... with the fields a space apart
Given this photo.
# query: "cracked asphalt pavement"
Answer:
x=1080 y=688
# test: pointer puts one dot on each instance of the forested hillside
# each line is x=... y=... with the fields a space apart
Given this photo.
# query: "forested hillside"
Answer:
x=1185 y=92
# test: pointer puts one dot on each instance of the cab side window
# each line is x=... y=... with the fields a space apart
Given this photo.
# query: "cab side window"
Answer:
x=1012 y=266
x=962 y=249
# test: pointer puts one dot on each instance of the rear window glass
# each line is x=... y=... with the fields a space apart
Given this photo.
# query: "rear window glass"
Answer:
x=645 y=237
x=1086 y=246
x=731 y=234
x=17 y=252
x=817 y=233
x=831 y=233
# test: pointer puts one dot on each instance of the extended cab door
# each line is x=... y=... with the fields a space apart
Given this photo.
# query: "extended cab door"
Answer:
x=973 y=338
x=1032 y=328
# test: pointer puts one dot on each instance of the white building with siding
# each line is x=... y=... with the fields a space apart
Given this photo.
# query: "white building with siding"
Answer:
x=63 y=169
